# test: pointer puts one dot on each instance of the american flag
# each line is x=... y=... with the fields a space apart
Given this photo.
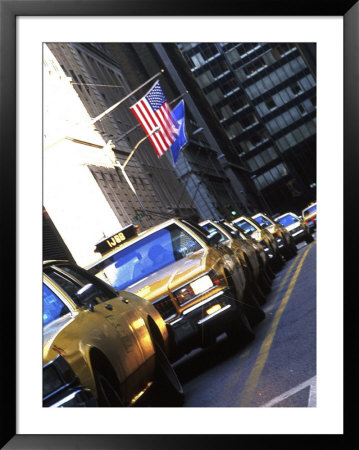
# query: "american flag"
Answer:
x=153 y=111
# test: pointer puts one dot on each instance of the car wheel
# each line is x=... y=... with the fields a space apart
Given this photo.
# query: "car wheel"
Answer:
x=253 y=310
x=309 y=239
x=277 y=263
x=168 y=384
x=107 y=393
x=259 y=293
x=291 y=251
x=269 y=272
x=265 y=283
x=294 y=249
x=240 y=332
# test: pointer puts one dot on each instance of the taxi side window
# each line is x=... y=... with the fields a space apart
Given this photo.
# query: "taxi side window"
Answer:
x=103 y=293
x=67 y=285
x=72 y=285
x=53 y=307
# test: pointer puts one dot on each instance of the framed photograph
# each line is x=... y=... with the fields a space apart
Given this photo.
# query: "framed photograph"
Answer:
x=24 y=29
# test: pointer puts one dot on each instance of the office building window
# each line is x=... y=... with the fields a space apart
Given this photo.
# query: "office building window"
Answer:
x=270 y=103
x=253 y=67
x=247 y=48
x=229 y=86
x=205 y=79
x=218 y=68
x=209 y=50
x=214 y=96
x=248 y=120
x=234 y=130
x=254 y=140
x=225 y=112
x=297 y=136
x=238 y=102
x=196 y=60
x=263 y=158
x=233 y=56
x=295 y=88
x=272 y=175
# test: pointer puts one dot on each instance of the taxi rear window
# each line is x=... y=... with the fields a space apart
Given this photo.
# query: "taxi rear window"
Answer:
x=262 y=221
x=245 y=226
x=211 y=228
x=310 y=210
x=287 y=220
x=145 y=256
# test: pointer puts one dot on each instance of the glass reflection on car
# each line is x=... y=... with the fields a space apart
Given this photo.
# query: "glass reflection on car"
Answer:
x=146 y=256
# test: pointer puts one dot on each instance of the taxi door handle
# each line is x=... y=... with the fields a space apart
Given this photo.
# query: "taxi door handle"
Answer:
x=109 y=307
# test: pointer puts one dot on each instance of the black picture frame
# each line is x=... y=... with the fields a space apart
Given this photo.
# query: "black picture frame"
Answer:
x=9 y=10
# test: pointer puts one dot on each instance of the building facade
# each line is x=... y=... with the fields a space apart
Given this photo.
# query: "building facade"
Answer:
x=264 y=95
x=197 y=185
x=250 y=119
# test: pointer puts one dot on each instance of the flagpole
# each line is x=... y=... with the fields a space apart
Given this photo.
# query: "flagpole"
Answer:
x=96 y=119
x=136 y=146
x=122 y=166
x=177 y=98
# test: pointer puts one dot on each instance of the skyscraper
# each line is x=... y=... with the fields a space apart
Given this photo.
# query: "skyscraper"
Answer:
x=264 y=95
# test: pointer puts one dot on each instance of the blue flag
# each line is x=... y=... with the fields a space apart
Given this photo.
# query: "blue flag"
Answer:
x=181 y=141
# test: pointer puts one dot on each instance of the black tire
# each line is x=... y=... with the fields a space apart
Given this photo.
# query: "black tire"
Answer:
x=108 y=394
x=269 y=272
x=168 y=384
x=240 y=332
x=259 y=294
x=294 y=248
x=309 y=238
x=265 y=283
x=278 y=262
x=252 y=309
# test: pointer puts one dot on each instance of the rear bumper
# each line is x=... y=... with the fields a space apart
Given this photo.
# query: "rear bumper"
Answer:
x=204 y=321
x=298 y=234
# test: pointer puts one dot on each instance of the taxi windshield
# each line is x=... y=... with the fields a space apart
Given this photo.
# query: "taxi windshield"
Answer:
x=245 y=226
x=262 y=221
x=310 y=210
x=146 y=256
x=286 y=220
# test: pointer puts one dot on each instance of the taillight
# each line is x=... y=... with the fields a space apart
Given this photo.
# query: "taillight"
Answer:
x=218 y=279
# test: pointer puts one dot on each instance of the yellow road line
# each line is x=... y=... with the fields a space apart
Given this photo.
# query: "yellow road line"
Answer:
x=283 y=282
x=253 y=378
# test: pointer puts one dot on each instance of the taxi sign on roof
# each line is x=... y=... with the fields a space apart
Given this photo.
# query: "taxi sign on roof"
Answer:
x=116 y=240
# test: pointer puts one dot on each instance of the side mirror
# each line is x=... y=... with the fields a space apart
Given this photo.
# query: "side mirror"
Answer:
x=86 y=296
x=213 y=238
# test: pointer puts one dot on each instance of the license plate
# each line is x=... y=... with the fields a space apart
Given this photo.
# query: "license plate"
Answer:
x=213 y=309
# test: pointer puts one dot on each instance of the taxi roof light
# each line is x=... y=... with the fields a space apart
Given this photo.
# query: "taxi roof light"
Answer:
x=117 y=239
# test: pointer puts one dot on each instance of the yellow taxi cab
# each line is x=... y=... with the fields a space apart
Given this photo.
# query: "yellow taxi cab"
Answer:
x=101 y=347
x=257 y=283
x=262 y=255
x=251 y=228
x=194 y=282
x=285 y=242
x=296 y=227
x=309 y=215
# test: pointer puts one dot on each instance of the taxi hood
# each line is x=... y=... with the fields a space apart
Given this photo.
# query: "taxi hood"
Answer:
x=170 y=277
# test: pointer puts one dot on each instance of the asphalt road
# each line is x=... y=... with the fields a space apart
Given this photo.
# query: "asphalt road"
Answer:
x=278 y=368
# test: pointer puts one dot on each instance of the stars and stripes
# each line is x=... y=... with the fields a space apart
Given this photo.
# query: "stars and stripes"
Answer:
x=153 y=112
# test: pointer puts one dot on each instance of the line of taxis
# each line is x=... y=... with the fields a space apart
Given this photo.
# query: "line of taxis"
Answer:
x=112 y=330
